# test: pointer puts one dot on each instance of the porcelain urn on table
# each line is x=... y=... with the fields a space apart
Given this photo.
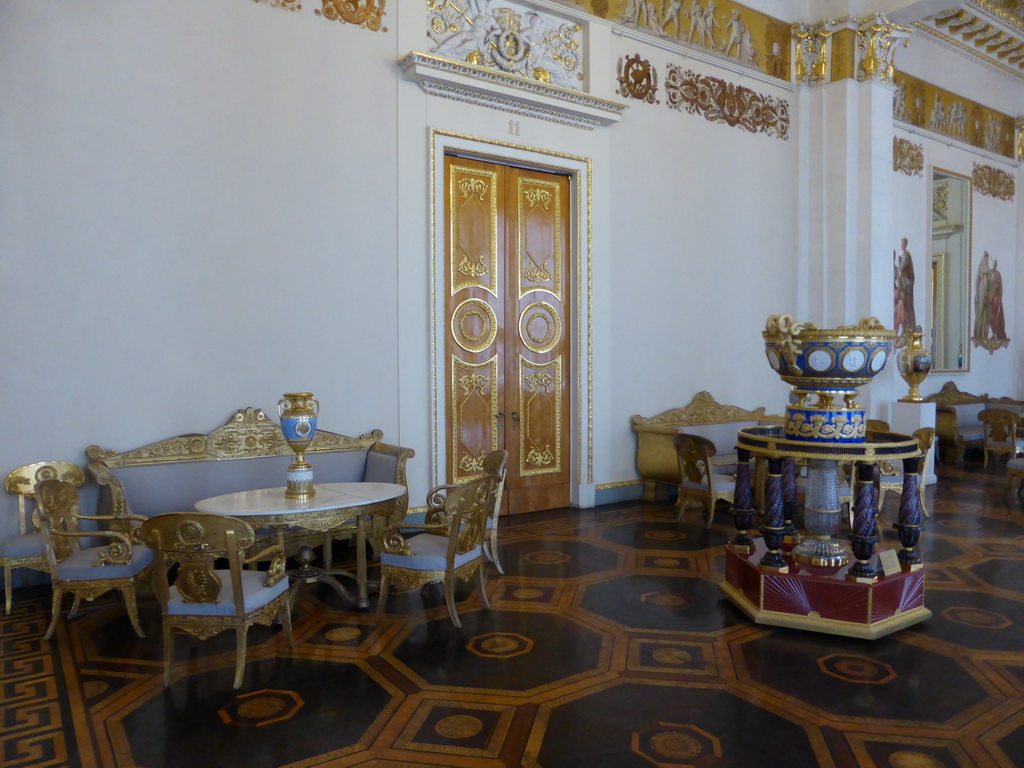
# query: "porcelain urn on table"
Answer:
x=298 y=412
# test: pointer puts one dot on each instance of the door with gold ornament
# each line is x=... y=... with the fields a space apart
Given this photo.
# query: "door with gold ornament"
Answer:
x=507 y=345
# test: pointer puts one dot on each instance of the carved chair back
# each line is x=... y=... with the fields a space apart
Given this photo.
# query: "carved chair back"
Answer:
x=194 y=541
x=695 y=454
x=57 y=514
x=1000 y=424
x=22 y=483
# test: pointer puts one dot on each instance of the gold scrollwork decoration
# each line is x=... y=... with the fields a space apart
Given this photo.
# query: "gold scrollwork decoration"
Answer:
x=538 y=198
x=540 y=312
x=288 y=5
x=368 y=14
x=479 y=313
x=993 y=182
x=473 y=382
x=473 y=188
x=718 y=101
x=637 y=79
x=907 y=157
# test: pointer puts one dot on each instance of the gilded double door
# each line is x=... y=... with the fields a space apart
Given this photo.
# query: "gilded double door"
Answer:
x=507 y=340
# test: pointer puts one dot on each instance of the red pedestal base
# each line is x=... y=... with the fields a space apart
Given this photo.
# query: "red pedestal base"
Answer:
x=823 y=599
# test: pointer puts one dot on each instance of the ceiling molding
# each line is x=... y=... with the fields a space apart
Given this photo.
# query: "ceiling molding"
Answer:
x=991 y=31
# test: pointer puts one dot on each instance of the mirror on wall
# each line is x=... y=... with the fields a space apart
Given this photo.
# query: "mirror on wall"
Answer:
x=951 y=271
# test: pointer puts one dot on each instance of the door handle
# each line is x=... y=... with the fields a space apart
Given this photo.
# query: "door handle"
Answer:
x=515 y=416
x=500 y=418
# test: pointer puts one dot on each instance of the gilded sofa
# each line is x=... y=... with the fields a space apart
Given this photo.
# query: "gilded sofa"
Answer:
x=656 y=459
x=956 y=420
x=246 y=453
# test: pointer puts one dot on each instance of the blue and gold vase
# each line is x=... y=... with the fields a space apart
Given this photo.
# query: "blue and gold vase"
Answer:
x=298 y=412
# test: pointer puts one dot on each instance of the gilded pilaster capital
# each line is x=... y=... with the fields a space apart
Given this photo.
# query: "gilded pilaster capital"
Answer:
x=877 y=41
x=813 y=51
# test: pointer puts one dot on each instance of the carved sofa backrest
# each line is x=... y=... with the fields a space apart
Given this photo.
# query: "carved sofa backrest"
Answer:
x=656 y=457
x=956 y=418
x=248 y=452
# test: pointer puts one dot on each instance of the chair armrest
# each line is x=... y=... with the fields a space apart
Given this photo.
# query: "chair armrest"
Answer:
x=274 y=553
x=394 y=543
x=117 y=552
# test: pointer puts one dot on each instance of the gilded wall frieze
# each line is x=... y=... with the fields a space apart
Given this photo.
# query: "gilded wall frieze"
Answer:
x=722 y=27
x=907 y=157
x=719 y=101
x=993 y=182
x=637 y=79
x=927 y=106
x=504 y=36
x=368 y=14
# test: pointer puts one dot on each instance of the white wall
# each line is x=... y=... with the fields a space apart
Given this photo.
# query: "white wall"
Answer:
x=204 y=205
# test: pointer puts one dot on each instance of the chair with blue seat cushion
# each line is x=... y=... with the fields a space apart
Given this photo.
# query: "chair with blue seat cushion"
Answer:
x=27 y=549
x=697 y=479
x=85 y=571
x=205 y=600
x=450 y=549
x=493 y=464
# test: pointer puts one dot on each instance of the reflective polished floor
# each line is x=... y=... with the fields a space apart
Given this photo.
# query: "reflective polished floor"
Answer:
x=609 y=646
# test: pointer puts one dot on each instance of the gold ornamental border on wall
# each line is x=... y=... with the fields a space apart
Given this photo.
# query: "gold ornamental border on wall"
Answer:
x=637 y=79
x=718 y=101
x=907 y=157
x=993 y=182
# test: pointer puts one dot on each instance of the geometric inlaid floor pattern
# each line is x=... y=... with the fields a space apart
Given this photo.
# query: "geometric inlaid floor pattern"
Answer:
x=608 y=645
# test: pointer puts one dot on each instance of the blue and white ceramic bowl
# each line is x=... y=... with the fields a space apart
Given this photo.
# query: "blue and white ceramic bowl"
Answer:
x=827 y=359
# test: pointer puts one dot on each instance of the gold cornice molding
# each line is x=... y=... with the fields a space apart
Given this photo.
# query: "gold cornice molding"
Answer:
x=983 y=29
x=475 y=84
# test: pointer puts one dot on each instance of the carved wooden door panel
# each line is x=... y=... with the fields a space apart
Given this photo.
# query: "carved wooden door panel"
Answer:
x=507 y=347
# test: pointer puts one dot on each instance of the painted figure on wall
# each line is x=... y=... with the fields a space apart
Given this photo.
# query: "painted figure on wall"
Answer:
x=989 y=315
x=904 y=315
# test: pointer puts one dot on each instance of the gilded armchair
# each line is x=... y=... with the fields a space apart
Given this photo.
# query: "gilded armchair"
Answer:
x=697 y=480
x=450 y=549
x=27 y=549
x=205 y=600
x=494 y=464
x=86 y=571
x=1001 y=438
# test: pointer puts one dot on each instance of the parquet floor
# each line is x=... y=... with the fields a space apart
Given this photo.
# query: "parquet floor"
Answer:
x=609 y=646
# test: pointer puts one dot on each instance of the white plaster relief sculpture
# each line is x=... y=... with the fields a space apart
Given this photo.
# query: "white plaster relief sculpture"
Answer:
x=502 y=35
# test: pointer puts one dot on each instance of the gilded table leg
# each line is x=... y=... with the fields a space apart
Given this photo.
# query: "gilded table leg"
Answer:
x=362 y=596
